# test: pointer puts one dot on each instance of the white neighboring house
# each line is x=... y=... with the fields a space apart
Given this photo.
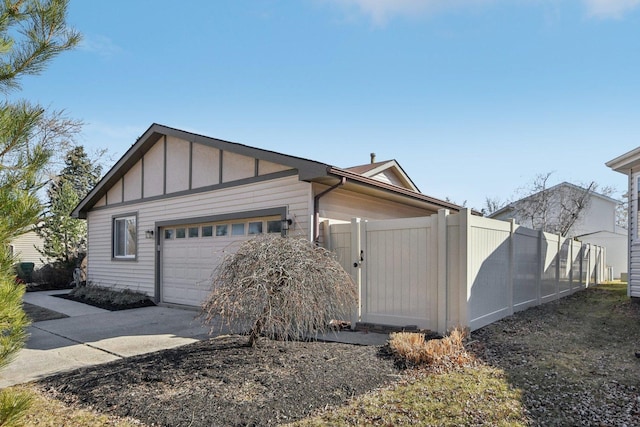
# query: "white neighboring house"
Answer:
x=596 y=224
x=24 y=247
x=629 y=164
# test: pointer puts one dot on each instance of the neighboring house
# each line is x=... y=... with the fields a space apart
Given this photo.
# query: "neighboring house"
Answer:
x=162 y=217
x=629 y=164
x=595 y=224
x=25 y=248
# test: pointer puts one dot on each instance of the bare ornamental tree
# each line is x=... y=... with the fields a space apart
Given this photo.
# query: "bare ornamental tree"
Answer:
x=280 y=287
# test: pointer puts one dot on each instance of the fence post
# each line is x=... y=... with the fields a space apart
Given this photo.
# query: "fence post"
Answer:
x=465 y=268
x=441 y=245
x=356 y=243
x=512 y=257
x=572 y=263
x=581 y=252
x=558 y=259
x=540 y=267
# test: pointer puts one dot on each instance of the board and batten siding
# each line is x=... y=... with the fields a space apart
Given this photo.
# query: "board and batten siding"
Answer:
x=140 y=274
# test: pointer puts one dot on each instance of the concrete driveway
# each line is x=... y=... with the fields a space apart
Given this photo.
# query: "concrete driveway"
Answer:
x=91 y=336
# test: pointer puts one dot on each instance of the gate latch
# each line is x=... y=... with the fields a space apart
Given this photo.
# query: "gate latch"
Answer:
x=359 y=263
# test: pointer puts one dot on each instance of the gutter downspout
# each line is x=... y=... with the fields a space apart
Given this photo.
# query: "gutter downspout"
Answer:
x=316 y=208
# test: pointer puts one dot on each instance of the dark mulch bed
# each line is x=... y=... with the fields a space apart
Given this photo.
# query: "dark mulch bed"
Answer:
x=40 y=314
x=222 y=382
x=107 y=305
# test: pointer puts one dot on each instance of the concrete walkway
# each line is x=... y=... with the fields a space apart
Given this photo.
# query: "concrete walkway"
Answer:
x=91 y=336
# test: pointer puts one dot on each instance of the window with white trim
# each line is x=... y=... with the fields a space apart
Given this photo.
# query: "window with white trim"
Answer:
x=237 y=229
x=274 y=226
x=255 y=227
x=125 y=233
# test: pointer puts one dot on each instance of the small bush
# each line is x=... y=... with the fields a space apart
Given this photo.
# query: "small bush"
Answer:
x=57 y=275
x=54 y=275
x=280 y=287
x=111 y=299
x=412 y=349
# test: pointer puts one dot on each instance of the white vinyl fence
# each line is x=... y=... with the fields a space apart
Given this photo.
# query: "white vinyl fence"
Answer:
x=447 y=270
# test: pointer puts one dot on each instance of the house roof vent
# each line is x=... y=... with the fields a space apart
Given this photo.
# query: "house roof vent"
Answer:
x=373 y=158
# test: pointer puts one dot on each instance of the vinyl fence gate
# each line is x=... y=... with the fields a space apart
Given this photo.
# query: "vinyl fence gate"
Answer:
x=448 y=270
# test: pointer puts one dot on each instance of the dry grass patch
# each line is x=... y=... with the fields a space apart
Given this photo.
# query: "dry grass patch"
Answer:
x=463 y=397
x=412 y=349
x=48 y=412
x=446 y=386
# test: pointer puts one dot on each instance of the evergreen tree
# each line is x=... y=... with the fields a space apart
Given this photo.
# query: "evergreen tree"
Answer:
x=81 y=171
x=32 y=32
x=64 y=237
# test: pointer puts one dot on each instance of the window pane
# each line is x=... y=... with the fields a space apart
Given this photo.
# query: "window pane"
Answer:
x=255 y=227
x=193 y=231
x=222 y=230
x=237 y=229
x=119 y=237
x=207 y=231
x=274 y=226
x=131 y=236
x=169 y=234
x=181 y=233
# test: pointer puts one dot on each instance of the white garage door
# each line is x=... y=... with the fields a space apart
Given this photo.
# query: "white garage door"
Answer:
x=191 y=252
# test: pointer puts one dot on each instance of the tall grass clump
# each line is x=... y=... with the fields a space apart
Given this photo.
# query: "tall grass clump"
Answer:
x=413 y=349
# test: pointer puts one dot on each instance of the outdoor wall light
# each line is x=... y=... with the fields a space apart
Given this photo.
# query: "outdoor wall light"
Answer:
x=286 y=223
x=148 y=234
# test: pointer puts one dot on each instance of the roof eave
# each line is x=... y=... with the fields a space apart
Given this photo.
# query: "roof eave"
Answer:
x=307 y=169
x=437 y=203
x=625 y=162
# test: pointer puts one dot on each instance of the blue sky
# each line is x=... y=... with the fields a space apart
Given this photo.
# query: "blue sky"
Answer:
x=472 y=97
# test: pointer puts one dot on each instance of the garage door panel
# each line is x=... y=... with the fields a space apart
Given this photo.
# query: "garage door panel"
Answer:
x=187 y=264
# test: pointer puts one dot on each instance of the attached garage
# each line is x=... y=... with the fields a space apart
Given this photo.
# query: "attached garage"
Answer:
x=176 y=202
x=190 y=252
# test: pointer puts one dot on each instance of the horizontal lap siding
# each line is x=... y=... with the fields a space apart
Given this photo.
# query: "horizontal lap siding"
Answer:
x=24 y=247
x=634 y=274
x=634 y=233
x=345 y=205
x=140 y=274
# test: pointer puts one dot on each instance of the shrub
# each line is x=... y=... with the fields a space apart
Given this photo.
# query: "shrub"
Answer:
x=412 y=349
x=55 y=276
x=280 y=287
x=101 y=296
